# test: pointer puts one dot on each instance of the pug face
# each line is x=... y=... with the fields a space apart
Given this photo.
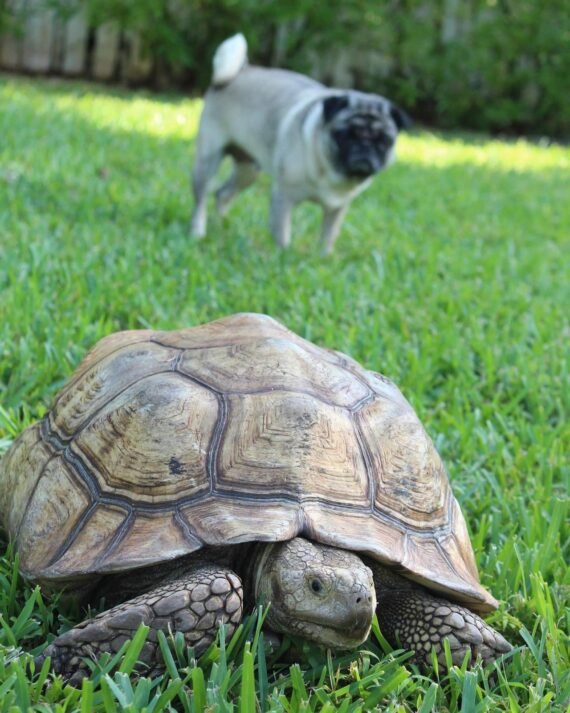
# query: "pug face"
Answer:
x=363 y=134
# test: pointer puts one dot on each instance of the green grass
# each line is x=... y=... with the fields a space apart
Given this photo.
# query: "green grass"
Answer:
x=448 y=277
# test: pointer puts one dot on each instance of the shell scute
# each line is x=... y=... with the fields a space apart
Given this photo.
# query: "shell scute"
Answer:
x=96 y=385
x=412 y=484
x=273 y=364
x=28 y=455
x=151 y=441
x=52 y=516
x=293 y=446
x=219 y=520
x=145 y=535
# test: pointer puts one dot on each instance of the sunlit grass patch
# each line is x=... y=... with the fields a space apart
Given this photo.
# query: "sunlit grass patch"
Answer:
x=513 y=156
x=138 y=112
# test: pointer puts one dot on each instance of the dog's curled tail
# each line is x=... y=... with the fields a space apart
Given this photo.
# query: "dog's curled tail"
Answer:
x=229 y=58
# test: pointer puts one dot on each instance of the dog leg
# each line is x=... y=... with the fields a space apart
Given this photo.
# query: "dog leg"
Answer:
x=332 y=220
x=280 y=217
x=244 y=174
x=205 y=168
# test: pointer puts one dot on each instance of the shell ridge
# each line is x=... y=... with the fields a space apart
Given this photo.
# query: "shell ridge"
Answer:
x=196 y=380
x=70 y=539
x=346 y=366
x=367 y=459
x=176 y=363
x=184 y=526
x=86 y=476
x=282 y=389
x=216 y=441
x=77 y=462
x=121 y=532
x=359 y=405
x=397 y=523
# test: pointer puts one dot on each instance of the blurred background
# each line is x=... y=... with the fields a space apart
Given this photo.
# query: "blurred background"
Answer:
x=501 y=66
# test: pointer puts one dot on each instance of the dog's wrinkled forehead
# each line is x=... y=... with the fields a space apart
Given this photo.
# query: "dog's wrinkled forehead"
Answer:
x=368 y=113
x=377 y=107
x=371 y=119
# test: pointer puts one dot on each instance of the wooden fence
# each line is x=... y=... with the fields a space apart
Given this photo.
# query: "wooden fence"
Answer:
x=46 y=43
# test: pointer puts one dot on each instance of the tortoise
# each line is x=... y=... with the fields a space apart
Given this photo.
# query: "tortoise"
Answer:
x=184 y=476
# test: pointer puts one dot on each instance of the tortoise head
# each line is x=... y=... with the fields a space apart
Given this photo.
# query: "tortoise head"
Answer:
x=318 y=592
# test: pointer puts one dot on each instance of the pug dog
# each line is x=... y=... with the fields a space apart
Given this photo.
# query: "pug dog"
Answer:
x=317 y=143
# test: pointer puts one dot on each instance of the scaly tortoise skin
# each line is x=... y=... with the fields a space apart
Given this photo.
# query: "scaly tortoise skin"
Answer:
x=177 y=468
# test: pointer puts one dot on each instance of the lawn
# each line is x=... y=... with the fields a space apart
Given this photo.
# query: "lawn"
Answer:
x=448 y=277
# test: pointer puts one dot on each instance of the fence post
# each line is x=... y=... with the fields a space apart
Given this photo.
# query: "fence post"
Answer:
x=75 y=45
x=106 y=51
x=38 y=37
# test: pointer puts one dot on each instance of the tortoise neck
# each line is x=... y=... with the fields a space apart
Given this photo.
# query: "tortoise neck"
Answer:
x=248 y=563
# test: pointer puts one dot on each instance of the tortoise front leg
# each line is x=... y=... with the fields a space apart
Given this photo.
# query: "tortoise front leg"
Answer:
x=410 y=617
x=194 y=603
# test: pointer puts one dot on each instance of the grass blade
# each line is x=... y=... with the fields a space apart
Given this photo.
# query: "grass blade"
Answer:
x=198 y=691
x=247 y=690
x=133 y=650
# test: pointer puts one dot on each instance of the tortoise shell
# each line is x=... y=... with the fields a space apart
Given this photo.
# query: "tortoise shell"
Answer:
x=233 y=431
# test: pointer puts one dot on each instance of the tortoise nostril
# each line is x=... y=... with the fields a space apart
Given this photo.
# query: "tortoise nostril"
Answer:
x=358 y=600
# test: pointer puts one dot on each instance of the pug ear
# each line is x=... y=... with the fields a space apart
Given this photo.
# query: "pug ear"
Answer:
x=400 y=118
x=332 y=106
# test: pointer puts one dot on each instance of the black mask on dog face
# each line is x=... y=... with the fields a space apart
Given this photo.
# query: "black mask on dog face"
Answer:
x=363 y=135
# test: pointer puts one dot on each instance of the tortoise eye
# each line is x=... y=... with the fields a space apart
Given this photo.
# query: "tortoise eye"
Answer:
x=316 y=586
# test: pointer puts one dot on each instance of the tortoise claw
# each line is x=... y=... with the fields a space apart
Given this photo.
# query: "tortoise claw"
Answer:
x=63 y=662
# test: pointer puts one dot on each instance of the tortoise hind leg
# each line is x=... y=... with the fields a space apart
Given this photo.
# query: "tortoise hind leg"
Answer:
x=194 y=603
x=411 y=617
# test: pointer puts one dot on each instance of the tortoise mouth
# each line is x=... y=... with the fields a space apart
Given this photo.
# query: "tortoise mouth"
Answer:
x=337 y=635
x=343 y=633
